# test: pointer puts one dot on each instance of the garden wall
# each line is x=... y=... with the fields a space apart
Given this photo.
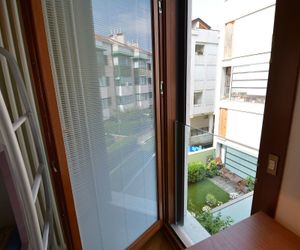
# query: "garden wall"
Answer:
x=202 y=155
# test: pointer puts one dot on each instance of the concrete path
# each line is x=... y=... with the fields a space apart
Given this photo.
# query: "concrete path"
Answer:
x=226 y=185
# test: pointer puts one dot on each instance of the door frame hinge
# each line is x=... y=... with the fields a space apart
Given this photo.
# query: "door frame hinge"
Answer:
x=161 y=87
x=160 y=8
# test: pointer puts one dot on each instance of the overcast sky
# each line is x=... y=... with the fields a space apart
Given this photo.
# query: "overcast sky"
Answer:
x=131 y=17
x=208 y=10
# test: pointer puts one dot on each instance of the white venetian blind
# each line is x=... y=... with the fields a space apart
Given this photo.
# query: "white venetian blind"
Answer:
x=102 y=65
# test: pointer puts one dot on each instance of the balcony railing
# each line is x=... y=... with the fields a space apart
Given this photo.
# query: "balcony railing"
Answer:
x=204 y=139
x=119 y=50
x=140 y=72
x=203 y=108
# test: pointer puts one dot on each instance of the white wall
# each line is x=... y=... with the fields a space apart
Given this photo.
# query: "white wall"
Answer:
x=288 y=208
x=244 y=122
x=235 y=9
x=244 y=127
x=253 y=33
x=203 y=70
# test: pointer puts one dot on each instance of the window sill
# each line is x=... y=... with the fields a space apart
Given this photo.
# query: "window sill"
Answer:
x=191 y=232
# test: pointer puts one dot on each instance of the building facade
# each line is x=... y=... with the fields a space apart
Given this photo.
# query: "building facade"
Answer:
x=202 y=84
x=245 y=50
x=124 y=74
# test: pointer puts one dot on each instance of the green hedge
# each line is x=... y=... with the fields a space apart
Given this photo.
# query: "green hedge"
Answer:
x=211 y=169
x=196 y=172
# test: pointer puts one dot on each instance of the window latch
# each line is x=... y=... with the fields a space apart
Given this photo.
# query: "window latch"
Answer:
x=160 y=6
x=161 y=87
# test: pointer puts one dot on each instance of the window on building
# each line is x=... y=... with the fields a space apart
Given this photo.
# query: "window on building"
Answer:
x=125 y=100
x=105 y=59
x=124 y=60
x=140 y=80
x=142 y=97
x=227 y=81
x=249 y=83
x=107 y=80
x=103 y=81
x=123 y=81
x=199 y=49
x=142 y=64
x=198 y=98
x=228 y=39
x=143 y=80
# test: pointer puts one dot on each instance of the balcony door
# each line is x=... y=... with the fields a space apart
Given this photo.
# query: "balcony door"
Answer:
x=102 y=68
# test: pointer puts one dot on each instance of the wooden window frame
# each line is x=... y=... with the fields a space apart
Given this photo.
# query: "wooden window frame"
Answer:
x=43 y=83
x=282 y=85
x=169 y=41
x=284 y=68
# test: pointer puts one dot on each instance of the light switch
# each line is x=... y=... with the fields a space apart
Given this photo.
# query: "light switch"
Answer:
x=272 y=164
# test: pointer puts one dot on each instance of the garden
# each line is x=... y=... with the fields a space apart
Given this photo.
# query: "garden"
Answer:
x=210 y=185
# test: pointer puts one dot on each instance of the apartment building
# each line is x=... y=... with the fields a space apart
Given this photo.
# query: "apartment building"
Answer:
x=124 y=74
x=242 y=82
x=202 y=83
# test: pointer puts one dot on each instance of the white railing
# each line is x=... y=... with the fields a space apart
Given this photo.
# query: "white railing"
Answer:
x=21 y=143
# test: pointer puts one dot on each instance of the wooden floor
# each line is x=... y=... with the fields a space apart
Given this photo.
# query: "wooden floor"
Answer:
x=158 y=242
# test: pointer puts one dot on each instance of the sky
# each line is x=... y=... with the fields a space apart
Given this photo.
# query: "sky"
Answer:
x=209 y=11
x=132 y=17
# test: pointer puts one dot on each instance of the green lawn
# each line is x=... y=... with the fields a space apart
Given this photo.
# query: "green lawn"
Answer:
x=198 y=191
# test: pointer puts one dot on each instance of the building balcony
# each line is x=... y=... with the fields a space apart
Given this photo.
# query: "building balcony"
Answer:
x=119 y=50
x=143 y=89
x=204 y=139
x=139 y=55
x=124 y=90
x=140 y=72
x=204 y=108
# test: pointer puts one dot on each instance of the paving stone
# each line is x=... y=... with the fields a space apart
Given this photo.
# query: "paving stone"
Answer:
x=223 y=183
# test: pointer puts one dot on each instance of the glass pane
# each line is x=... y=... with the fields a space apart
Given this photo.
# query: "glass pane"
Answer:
x=101 y=54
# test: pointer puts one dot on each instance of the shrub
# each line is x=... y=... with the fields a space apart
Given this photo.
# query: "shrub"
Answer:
x=213 y=224
x=196 y=172
x=250 y=183
x=211 y=169
x=206 y=209
x=211 y=200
